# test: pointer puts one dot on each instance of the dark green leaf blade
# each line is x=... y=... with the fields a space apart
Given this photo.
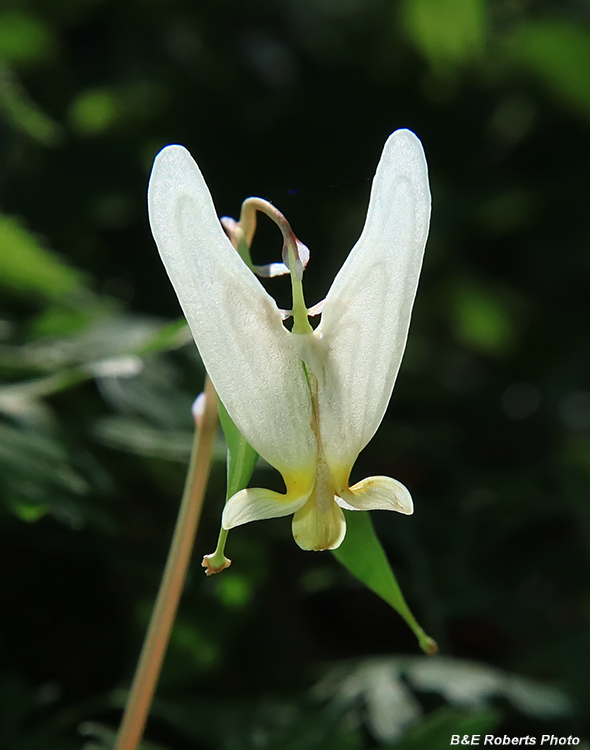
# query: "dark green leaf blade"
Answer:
x=362 y=555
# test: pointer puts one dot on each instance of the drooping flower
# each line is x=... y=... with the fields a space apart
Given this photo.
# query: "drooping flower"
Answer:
x=308 y=401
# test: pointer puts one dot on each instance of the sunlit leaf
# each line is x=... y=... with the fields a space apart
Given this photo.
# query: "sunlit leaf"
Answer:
x=362 y=554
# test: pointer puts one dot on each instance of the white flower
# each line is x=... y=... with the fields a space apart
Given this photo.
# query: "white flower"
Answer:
x=309 y=402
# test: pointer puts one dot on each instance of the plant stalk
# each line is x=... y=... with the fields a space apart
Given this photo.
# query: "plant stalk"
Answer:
x=158 y=634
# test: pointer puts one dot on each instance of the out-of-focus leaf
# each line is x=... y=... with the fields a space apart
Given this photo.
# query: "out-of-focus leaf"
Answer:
x=18 y=108
x=233 y=589
x=535 y=699
x=381 y=687
x=259 y=723
x=95 y=111
x=39 y=473
x=139 y=436
x=31 y=459
x=575 y=453
x=362 y=554
x=104 y=738
x=26 y=266
x=20 y=398
x=471 y=685
x=375 y=686
x=505 y=212
x=557 y=52
x=196 y=643
x=148 y=392
x=447 y=33
x=24 y=38
x=462 y=683
x=106 y=338
x=482 y=318
x=434 y=732
x=169 y=336
x=82 y=311
x=28 y=512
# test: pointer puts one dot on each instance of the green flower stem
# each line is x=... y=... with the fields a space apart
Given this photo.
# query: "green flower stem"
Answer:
x=217 y=561
x=299 y=312
x=158 y=634
x=238 y=239
x=248 y=225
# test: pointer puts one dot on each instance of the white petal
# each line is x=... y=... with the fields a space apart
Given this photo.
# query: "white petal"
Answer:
x=270 y=270
x=377 y=493
x=236 y=324
x=367 y=310
x=257 y=505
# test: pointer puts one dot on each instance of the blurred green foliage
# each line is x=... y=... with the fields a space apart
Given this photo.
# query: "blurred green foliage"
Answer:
x=489 y=425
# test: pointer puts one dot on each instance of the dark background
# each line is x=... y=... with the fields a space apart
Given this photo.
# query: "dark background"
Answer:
x=489 y=425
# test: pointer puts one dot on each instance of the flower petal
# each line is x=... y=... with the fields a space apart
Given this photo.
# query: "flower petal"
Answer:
x=317 y=530
x=367 y=310
x=258 y=505
x=237 y=326
x=377 y=493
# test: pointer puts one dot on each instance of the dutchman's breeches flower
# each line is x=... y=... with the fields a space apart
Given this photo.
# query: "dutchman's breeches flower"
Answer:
x=308 y=401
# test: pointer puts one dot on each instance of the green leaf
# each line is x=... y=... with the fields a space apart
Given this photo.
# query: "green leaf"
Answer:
x=26 y=266
x=362 y=554
x=241 y=458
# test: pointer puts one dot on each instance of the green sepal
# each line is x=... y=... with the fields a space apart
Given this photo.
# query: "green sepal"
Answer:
x=362 y=555
x=241 y=457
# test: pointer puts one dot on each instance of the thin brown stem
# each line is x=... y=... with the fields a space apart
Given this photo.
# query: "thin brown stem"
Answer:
x=156 y=641
x=295 y=254
x=248 y=218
